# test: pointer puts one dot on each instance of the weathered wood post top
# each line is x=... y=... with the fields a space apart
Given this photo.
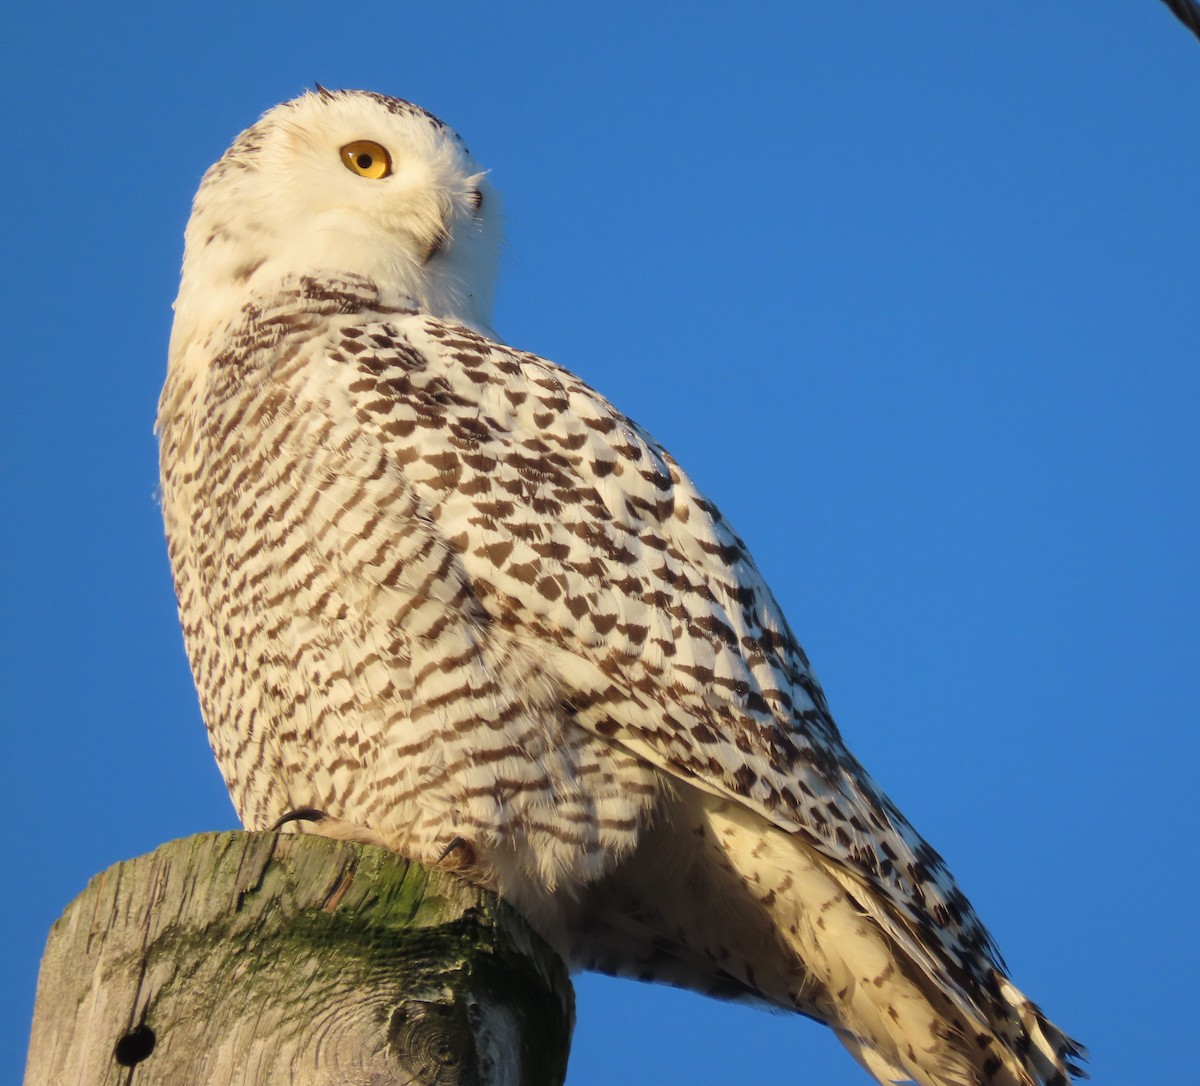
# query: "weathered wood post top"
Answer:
x=264 y=959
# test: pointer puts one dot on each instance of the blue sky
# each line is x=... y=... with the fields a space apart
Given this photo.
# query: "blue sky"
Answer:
x=913 y=292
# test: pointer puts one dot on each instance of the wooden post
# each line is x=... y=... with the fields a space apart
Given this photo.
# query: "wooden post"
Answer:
x=263 y=959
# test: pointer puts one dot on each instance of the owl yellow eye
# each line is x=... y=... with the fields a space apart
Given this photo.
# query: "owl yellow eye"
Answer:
x=367 y=159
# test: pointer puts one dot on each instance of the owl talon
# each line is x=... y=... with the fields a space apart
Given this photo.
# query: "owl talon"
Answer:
x=336 y=829
x=300 y=814
x=465 y=859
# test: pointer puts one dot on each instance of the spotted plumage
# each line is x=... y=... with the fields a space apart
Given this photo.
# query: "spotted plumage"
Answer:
x=444 y=592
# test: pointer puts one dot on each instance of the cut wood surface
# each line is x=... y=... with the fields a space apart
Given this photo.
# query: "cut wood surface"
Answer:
x=259 y=959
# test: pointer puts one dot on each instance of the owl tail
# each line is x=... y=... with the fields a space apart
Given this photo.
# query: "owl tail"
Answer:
x=871 y=978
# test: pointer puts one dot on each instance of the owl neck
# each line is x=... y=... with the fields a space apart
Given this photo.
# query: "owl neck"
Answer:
x=219 y=282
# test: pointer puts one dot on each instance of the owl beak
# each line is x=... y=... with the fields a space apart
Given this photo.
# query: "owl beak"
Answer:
x=439 y=241
x=438 y=228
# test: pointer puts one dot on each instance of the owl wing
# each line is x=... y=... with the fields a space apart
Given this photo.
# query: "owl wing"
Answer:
x=579 y=532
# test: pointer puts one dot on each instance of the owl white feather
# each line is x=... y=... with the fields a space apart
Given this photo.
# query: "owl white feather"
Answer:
x=443 y=592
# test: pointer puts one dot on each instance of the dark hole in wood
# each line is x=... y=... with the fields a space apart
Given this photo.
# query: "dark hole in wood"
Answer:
x=135 y=1046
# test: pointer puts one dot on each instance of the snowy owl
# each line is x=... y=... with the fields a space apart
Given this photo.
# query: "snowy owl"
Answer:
x=444 y=593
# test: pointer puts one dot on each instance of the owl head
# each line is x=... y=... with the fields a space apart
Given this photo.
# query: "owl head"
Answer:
x=344 y=183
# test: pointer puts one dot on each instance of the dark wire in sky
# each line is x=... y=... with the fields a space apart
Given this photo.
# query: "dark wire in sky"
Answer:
x=1187 y=12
